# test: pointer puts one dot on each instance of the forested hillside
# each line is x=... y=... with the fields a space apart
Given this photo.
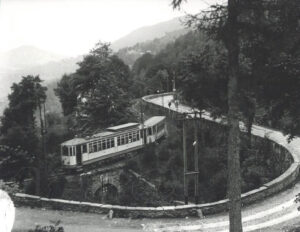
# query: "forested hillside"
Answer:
x=130 y=54
x=148 y=33
x=152 y=72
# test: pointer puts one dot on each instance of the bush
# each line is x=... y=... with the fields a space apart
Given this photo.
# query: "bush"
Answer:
x=51 y=228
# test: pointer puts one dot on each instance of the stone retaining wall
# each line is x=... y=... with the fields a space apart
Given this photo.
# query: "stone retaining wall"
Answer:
x=276 y=185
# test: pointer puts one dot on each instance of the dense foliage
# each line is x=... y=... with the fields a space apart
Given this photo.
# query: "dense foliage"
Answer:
x=18 y=124
x=22 y=152
x=97 y=94
x=30 y=137
x=161 y=164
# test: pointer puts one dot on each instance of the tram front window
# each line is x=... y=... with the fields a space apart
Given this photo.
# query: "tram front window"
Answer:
x=84 y=150
x=78 y=150
x=149 y=131
x=65 y=151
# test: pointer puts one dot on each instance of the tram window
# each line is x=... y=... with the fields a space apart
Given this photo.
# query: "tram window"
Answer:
x=90 y=148
x=104 y=144
x=142 y=133
x=65 y=151
x=84 y=148
x=138 y=135
x=112 y=142
x=99 y=145
x=126 y=138
x=161 y=127
x=108 y=143
x=70 y=151
x=130 y=137
x=95 y=147
x=78 y=150
x=118 y=140
x=149 y=131
x=122 y=140
x=134 y=136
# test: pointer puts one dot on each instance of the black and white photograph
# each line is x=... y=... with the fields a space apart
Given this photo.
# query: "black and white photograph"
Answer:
x=149 y=115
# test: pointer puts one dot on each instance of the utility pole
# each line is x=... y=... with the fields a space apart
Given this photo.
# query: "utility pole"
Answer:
x=185 y=190
x=195 y=172
x=44 y=138
x=196 y=159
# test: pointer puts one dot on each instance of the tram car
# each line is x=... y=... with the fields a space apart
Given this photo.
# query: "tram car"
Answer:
x=112 y=142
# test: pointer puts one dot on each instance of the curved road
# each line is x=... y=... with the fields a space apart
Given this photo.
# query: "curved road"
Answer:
x=276 y=213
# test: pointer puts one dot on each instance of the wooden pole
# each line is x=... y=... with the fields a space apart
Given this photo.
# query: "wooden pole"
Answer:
x=196 y=158
x=184 y=162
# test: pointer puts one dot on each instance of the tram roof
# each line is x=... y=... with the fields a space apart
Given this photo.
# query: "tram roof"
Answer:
x=153 y=120
x=74 y=141
x=112 y=130
x=101 y=134
x=123 y=126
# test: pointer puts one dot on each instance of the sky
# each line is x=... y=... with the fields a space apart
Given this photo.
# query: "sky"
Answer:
x=72 y=27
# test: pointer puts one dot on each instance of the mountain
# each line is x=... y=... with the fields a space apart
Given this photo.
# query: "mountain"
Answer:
x=47 y=71
x=26 y=56
x=50 y=72
x=147 y=33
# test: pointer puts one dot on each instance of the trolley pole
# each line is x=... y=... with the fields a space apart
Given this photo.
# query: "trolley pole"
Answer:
x=185 y=189
x=196 y=158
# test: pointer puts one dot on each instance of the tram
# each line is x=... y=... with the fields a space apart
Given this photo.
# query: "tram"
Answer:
x=112 y=142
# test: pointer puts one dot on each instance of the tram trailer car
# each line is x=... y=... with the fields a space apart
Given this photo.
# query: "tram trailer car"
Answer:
x=112 y=142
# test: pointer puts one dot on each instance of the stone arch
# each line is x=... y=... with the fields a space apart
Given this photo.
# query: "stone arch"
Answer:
x=107 y=193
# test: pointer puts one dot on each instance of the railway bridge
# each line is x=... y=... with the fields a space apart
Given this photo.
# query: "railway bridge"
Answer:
x=101 y=185
x=96 y=185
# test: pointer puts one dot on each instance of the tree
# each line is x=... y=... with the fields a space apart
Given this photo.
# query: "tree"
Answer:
x=228 y=30
x=13 y=163
x=19 y=125
x=234 y=174
x=203 y=76
x=66 y=92
x=97 y=94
